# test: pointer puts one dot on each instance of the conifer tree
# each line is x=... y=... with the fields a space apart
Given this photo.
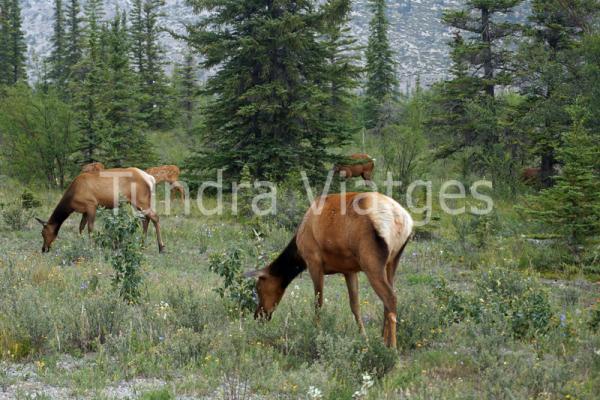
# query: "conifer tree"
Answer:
x=268 y=92
x=571 y=209
x=483 y=49
x=124 y=142
x=342 y=73
x=73 y=36
x=465 y=119
x=4 y=66
x=381 y=73
x=449 y=124
x=548 y=73
x=12 y=43
x=147 y=57
x=188 y=89
x=58 y=71
x=87 y=89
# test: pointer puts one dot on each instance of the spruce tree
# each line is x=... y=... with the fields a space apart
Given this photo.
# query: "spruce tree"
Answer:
x=186 y=83
x=267 y=92
x=148 y=60
x=4 y=66
x=58 y=69
x=12 y=43
x=87 y=88
x=450 y=126
x=124 y=143
x=571 y=209
x=381 y=73
x=73 y=36
x=341 y=76
x=485 y=28
x=548 y=73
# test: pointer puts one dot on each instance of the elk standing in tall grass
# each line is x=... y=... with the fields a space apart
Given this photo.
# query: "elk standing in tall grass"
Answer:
x=90 y=190
x=343 y=234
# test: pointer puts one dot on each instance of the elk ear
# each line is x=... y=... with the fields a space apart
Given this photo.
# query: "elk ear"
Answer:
x=41 y=221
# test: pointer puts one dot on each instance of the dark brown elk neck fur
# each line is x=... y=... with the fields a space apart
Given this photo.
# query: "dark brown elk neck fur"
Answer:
x=288 y=265
x=61 y=212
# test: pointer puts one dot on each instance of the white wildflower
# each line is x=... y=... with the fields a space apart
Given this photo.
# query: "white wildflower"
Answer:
x=314 y=393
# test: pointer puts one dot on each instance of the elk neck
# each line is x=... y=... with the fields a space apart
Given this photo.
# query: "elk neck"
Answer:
x=60 y=213
x=288 y=265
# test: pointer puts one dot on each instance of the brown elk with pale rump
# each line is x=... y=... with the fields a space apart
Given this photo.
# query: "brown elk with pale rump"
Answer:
x=93 y=167
x=343 y=234
x=169 y=174
x=361 y=165
x=91 y=190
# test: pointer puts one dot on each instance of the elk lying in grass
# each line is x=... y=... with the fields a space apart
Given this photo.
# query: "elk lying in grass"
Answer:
x=92 y=167
x=90 y=190
x=358 y=165
x=169 y=174
x=343 y=234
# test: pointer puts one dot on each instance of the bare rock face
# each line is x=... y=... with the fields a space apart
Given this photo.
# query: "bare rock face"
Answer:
x=418 y=37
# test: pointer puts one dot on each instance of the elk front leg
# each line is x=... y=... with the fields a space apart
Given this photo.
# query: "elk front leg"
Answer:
x=82 y=223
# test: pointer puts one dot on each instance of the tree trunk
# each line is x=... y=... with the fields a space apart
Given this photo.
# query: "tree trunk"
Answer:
x=486 y=37
x=547 y=168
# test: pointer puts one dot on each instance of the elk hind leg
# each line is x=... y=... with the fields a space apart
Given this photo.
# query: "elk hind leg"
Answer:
x=352 y=283
x=150 y=214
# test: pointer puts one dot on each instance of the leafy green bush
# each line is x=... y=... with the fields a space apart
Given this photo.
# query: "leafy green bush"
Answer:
x=237 y=288
x=500 y=295
x=28 y=200
x=16 y=217
x=121 y=238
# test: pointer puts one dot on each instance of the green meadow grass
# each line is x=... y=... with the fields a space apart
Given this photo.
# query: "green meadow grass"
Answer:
x=62 y=321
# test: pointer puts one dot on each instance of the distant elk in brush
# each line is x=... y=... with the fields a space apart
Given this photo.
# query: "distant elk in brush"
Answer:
x=93 y=167
x=88 y=191
x=531 y=176
x=169 y=174
x=357 y=165
x=343 y=234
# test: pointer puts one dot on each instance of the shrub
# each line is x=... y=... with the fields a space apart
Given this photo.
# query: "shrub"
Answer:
x=237 y=288
x=121 y=238
x=500 y=295
x=16 y=217
x=28 y=200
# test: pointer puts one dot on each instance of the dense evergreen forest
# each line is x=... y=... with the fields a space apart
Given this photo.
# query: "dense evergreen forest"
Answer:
x=291 y=88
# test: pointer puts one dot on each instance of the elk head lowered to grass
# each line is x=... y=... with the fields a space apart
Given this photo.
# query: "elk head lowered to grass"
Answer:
x=357 y=165
x=343 y=234
x=170 y=174
x=90 y=190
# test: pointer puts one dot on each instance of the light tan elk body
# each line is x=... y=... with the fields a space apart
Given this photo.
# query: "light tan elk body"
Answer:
x=357 y=232
x=169 y=174
x=93 y=189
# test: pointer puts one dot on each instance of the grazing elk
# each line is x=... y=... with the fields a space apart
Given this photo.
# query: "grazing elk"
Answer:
x=169 y=174
x=343 y=234
x=360 y=165
x=92 y=167
x=90 y=190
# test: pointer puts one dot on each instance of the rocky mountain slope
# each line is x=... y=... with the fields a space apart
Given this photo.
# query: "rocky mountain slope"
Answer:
x=418 y=37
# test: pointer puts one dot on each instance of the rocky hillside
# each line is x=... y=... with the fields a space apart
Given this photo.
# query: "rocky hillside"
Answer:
x=418 y=37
